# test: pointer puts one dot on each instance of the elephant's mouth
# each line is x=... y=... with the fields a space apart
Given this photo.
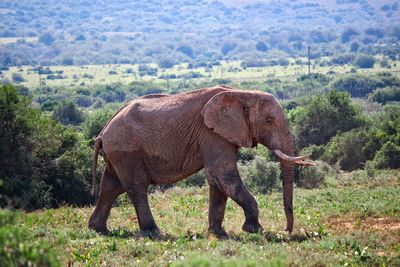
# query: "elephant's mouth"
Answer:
x=297 y=160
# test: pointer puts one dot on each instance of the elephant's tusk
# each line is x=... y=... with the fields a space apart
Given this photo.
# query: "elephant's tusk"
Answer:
x=304 y=163
x=285 y=157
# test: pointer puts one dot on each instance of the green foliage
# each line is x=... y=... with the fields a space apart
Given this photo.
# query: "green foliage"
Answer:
x=47 y=38
x=323 y=117
x=41 y=161
x=365 y=61
x=361 y=85
x=388 y=157
x=260 y=175
x=351 y=150
x=95 y=122
x=198 y=179
x=313 y=176
x=17 y=78
x=67 y=113
x=19 y=247
x=385 y=95
x=315 y=151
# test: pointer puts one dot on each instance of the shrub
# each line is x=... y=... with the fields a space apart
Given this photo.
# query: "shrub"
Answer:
x=246 y=154
x=261 y=46
x=313 y=176
x=68 y=61
x=361 y=85
x=18 y=247
x=351 y=150
x=385 y=95
x=46 y=38
x=17 y=78
x=95 y=122
x=388 y=156
x=198 y=179
x=260 y=175
x=323 y=117
x=315 y=151
x=365 y=61
x=68 y=113
x=42 y=164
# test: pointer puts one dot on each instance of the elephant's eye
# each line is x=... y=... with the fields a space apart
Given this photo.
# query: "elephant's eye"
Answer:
x=269 y=120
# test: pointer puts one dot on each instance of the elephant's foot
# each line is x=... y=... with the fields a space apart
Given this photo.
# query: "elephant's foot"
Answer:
x=219 y=232
x=252 y=227
x=99 y=229
x=151 y=232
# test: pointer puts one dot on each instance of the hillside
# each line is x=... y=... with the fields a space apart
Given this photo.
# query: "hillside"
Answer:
x=169 y=32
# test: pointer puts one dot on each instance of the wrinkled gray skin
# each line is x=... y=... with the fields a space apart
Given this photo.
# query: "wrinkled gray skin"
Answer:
x=160 y=139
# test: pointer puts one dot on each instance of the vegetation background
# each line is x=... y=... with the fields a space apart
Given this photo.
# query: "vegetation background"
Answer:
x=67 y=66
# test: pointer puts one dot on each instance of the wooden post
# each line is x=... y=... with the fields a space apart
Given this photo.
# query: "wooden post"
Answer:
x=309 y=64
x=167 y=81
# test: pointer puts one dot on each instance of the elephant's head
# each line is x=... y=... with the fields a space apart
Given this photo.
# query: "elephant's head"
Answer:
x=246 y=118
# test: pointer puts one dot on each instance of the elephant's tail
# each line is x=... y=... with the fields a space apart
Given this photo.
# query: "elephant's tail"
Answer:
x=97 y=148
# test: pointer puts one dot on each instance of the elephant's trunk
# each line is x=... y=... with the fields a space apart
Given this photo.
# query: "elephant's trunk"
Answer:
x=287 y=182
x=287 y=166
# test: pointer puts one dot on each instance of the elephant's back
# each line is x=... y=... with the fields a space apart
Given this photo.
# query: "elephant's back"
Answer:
x=148 y=122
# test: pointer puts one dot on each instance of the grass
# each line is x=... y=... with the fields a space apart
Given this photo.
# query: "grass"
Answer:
x=355 y=222
x=99 y=74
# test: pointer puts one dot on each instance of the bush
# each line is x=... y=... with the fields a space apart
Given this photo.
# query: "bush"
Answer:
x=260 y=175
x=388 y=156
x=18 y=247
x=315 y=151
x=352 y=149
x=261 y=46
x=46 y=38
x=365 y=61
x=95 y=122
x=42 y=164
x=68 y=113
x=361 y=85
x=323 y=117
x=313 y=176
x=385 y=95
x=198 y=179
x=17 y=78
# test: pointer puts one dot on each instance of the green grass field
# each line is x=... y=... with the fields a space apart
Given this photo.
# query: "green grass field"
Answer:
x=353 y=222
x=100 y=74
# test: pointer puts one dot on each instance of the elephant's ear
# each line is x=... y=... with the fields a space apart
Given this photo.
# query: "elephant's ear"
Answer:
x=225 y=114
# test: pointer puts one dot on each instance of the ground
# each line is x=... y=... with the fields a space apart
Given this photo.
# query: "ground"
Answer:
x=354 y=220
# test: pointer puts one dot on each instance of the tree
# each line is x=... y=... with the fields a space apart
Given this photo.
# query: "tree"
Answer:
x=46 y=38
x=227 y=47
x=261 y=46
x=348 y=34
x=17 y=78
x=68 y=61
x=323 y=117
x=68 y=113
x=31 y=148
x=365 y=61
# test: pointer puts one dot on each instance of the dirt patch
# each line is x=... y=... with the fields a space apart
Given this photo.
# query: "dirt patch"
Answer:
x=369 y=224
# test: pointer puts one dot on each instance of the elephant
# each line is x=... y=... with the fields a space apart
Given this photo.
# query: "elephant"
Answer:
x=162 y=139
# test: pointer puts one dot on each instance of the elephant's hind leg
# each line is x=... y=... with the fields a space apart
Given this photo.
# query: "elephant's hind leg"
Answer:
x=216 y=211
x=135 y=180
x=110 y=189
x=147 y=224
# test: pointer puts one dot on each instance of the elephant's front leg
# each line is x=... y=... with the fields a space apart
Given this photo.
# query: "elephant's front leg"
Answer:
x=223 y=172
x=216 y=211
